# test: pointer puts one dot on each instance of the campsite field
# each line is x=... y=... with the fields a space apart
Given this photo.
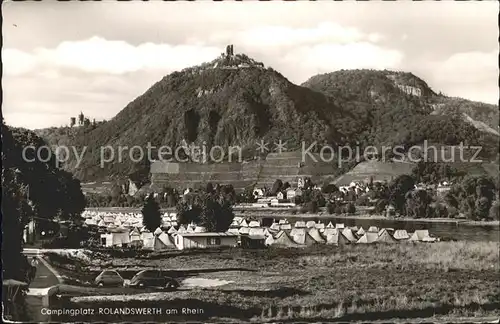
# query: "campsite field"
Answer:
x=369 y=282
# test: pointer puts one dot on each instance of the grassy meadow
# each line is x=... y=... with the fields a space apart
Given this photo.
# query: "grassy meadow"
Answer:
x=354 y=282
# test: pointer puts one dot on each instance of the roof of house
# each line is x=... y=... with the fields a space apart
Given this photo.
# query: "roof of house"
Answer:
x=208 y=234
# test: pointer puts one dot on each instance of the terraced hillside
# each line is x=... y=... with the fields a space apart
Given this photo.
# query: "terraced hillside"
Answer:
x=285 y=166
x=380 y=171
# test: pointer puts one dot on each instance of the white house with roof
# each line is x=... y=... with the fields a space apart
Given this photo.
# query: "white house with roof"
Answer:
x=185 y=241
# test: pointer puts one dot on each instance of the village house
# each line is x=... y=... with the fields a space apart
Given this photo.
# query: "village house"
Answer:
x=205 y=240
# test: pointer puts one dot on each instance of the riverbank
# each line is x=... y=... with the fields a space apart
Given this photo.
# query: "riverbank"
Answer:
x=292 y=213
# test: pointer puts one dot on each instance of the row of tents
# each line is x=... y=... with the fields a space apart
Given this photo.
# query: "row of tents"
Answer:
x=305 y=237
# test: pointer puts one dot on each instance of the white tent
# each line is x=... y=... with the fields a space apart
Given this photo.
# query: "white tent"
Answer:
x=340 y=226
x=163 y=242
x=385 y=237
x=316 y=235
x=233 y=230
x=244 y=230
x=235 y=223
x=330 y=225
x=373 y=229
x=310 y=224
x=347 y=232
x=421 y=236
x=254 y=224
x=304 y=238
x=275 y=226
x=286 y=226
x=319 y=226
x=330 y=231
x=336 y=238
x=256 y=231
x=158 y=231
x=360 y=232
x=300 y=224
x=244 y=223
x=182 y=229
x=368 y=237
x=282 y=240
x=135 y=235
x=269 y=240
x=172 y=230
x=401 y=235
x=148 y=240
x=200 y=229
x=283 y=221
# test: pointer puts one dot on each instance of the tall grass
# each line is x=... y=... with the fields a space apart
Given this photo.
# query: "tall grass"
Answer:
x=443 y=255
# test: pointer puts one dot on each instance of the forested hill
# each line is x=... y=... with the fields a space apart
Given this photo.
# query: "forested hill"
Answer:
x=235 y=100
x=397 y=96
x=229 y=101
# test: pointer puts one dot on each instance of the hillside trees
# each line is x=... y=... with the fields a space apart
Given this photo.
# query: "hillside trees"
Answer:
x=418 y=204
x=473 y=196
x=211 y=211
x=31 y=188
x=398 y=189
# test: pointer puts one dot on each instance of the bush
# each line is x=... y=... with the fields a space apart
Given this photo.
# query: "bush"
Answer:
x=453 y=212
x=330 y=208
x=350 y=209
x=494 y=211
x=312 y=207
x=362 y=201
x=440 y=211
x=380 y=206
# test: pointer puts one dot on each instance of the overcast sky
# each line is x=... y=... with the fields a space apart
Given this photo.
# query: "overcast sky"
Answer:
x=60 y=58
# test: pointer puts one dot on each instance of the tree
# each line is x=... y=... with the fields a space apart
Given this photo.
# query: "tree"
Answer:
x=473 y=196
x=31 y=188
x=494 y=211
x=330 y=207
x=312 y=207
x=418 y=204
x=380 y=206
x=329 y=188
x=212 y=212
x=151 y=215
x=277 y=185
x=398 y=190
x=350 y=208
x=210 y=188
x=216 y=215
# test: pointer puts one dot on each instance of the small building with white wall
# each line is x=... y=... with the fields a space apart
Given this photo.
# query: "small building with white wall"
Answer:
x=185 y=241
x=117 y=238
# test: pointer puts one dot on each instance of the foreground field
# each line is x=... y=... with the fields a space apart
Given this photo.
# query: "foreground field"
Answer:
x=452 y=279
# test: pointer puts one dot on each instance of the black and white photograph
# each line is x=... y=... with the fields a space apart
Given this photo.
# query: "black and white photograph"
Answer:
x=250 y=162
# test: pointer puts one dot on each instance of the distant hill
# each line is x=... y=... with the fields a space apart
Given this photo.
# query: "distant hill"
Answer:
x=405 y=100
x=234 y=100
